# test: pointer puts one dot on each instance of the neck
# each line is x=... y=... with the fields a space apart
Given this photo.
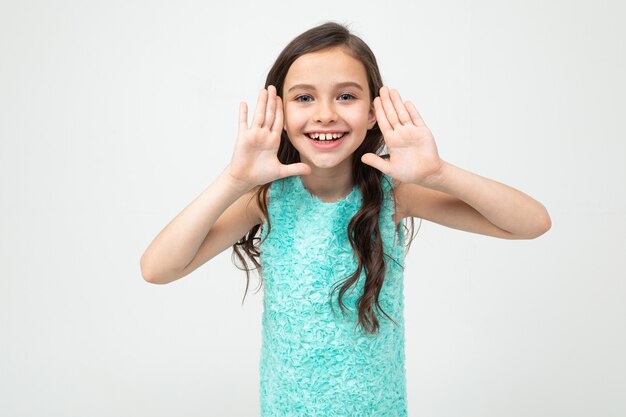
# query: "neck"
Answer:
x=329 y=184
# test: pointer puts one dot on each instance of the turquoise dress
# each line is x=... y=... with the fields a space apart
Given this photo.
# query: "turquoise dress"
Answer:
x=315 y=362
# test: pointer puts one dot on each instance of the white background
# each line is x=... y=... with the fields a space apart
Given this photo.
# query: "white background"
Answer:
x=115 y=115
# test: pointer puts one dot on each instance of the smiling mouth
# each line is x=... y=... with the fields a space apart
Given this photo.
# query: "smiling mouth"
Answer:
x=329 y=137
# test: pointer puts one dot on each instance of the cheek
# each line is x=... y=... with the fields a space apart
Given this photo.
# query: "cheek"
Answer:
x=293 y=119
x=359 y=119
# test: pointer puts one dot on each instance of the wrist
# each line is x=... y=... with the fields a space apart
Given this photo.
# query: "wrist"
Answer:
x=439 y=177
x=234 y=183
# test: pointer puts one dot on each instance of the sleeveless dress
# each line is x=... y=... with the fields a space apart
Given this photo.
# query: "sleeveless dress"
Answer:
x=315 y=361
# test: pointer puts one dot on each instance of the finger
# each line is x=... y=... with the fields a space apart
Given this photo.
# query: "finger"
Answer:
x=403 y=115
x=415 y=116
x=259 y=112
x=377 y=162
x=278 y=120
x=388 y=106
x=270 y=107
x=381 y=117
x=243 y=115
x=299 y=168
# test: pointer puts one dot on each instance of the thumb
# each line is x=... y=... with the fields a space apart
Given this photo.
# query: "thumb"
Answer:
x=377 y=162
x=299 y=168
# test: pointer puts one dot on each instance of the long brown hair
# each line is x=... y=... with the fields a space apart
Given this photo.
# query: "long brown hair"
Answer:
x=363 y=229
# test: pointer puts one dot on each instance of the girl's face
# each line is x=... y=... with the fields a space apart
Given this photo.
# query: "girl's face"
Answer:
x=326 y=94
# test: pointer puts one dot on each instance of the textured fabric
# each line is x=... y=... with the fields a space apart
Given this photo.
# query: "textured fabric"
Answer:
x=315 y=361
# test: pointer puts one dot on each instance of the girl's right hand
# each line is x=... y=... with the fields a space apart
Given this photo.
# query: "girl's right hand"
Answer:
x=255 y=158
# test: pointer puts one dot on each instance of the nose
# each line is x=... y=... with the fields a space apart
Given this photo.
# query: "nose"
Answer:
x=325 y=112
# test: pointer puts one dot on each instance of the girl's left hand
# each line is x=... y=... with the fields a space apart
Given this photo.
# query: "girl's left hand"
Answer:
x=413 y=156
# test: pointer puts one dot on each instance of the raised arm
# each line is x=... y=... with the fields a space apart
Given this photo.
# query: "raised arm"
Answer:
x=433 y=189
x=466 y=201
x=213 y=221
x=226 y=210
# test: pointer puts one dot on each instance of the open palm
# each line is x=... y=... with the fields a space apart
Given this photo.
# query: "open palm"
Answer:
x=413 y=155
x=255 y=158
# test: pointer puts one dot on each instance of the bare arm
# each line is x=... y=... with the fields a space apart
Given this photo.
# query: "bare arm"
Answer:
x=176 y=247
x=466 y=201
x=226 y=210
x=436 y=190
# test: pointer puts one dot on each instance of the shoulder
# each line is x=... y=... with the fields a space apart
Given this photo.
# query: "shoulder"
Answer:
x=277 y=190
x=252 y=203
x=395 y=186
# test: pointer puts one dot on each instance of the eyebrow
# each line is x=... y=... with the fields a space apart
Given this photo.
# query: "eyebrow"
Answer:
x=339 y=85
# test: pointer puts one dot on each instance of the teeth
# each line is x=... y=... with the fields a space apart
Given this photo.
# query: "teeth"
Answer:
x=325 y=136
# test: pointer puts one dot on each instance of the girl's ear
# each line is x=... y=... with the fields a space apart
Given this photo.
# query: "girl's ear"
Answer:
x=371 y=119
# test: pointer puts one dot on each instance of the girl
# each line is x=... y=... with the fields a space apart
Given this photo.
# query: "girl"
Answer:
x=309 y=198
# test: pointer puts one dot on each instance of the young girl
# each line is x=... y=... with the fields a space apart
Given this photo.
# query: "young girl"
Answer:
x=311 y=200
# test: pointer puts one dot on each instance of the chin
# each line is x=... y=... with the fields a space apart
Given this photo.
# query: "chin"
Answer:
x=326 y=163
